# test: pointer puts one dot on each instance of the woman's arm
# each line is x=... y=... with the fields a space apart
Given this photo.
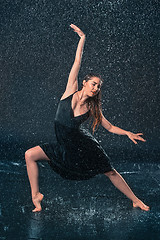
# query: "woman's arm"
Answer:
x=113 y=129
x=72 y=84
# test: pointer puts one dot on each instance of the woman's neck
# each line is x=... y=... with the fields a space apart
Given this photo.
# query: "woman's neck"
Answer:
x=82 y=97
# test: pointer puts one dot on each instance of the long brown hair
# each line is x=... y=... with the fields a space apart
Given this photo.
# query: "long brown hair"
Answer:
x=94 y=104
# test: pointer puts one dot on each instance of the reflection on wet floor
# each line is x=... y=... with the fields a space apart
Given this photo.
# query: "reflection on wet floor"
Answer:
x=72 y=210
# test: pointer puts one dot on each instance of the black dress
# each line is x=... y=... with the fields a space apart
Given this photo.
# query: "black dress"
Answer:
x=76 y=154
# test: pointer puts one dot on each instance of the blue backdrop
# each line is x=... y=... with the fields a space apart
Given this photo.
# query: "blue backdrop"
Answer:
x=37 y=52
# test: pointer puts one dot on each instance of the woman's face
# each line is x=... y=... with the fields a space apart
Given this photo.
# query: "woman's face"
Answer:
x=92 y=86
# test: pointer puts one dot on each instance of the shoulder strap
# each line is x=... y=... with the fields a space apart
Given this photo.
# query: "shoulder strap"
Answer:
x=69 y=96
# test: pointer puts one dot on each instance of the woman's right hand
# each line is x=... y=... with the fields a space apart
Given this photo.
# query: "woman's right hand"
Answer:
x=77 y=30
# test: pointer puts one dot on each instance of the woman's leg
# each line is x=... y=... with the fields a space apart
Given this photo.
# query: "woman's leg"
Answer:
x=120 y=183
x=32 y=156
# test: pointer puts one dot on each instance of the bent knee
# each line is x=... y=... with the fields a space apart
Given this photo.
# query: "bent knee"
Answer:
x=29 y=154
x=35 y=154
x=111 y=173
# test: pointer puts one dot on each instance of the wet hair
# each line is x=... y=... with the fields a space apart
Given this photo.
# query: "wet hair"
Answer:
x=94 y=104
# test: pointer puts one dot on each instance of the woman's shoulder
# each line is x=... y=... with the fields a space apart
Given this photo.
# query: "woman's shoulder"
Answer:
x=67 y=95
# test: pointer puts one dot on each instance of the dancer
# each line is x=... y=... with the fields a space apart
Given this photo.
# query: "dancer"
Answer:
x=76 y=154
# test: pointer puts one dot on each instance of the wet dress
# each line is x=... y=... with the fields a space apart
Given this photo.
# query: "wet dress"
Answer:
x=76 y=154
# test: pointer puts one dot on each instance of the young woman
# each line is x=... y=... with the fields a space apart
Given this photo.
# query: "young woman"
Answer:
x=76 y=154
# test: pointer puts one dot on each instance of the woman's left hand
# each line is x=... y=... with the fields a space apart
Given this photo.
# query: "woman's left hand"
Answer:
x=135 y=136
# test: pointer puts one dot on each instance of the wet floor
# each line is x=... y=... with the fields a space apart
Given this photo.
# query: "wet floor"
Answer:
x=83 y=210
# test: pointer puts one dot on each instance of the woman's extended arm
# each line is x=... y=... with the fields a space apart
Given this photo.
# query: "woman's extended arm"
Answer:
x=113 y=129
x=72 y=84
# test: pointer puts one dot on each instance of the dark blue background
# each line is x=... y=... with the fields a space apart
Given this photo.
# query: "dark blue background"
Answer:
x=37 y=52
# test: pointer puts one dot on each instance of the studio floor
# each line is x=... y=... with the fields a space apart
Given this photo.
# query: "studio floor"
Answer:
x=79 y=210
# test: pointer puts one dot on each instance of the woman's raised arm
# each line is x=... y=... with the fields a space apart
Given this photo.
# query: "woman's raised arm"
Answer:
x=72 y=84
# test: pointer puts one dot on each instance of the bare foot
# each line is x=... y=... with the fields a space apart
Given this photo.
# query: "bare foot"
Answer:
x=37 y=202
x=141 y=205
